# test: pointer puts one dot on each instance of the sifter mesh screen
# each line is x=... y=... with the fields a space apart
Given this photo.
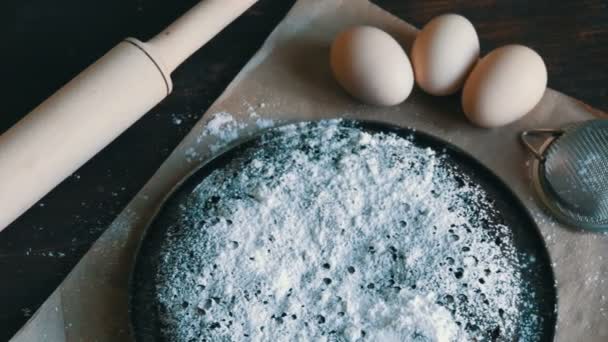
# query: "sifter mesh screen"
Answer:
x=574 y=175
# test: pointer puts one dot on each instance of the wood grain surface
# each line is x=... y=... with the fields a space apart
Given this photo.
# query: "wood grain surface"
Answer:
x=46 y=43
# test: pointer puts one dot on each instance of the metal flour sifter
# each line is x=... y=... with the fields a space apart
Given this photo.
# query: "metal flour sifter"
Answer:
x=570 y=172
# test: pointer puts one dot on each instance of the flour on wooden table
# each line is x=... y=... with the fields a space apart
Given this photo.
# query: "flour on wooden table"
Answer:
x=329 y=233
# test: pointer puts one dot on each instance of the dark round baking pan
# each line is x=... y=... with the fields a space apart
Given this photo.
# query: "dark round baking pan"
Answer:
x=526 y=239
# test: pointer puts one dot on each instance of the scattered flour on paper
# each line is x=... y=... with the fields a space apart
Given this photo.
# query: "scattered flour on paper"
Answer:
x=224 y=129
x=329 y=233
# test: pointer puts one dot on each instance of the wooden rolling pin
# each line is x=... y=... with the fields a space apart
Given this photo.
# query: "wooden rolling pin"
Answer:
x=84 y=116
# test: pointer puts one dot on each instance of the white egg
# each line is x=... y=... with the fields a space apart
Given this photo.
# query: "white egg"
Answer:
x=371 y=66
x=504 y=86
x=444 y=53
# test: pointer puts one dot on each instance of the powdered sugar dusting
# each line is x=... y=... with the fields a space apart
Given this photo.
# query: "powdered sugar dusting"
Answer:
x=331 y=233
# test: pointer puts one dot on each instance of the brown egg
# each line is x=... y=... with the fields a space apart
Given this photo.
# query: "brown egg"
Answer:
x=371 y=66
x=504 y=86
x=444 y=53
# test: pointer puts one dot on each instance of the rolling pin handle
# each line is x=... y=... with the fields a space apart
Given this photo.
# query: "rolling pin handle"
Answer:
x=194 y=29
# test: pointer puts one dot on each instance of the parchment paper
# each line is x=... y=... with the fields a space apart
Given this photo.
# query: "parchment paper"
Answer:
x=289 y=79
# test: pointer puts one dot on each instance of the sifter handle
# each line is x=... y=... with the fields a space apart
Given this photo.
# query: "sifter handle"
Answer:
x=548 y=133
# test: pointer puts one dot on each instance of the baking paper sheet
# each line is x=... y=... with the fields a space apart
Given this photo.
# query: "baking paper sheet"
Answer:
x=289 y=79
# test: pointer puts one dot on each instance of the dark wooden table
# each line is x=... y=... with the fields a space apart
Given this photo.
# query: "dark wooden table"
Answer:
x=46 y=43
